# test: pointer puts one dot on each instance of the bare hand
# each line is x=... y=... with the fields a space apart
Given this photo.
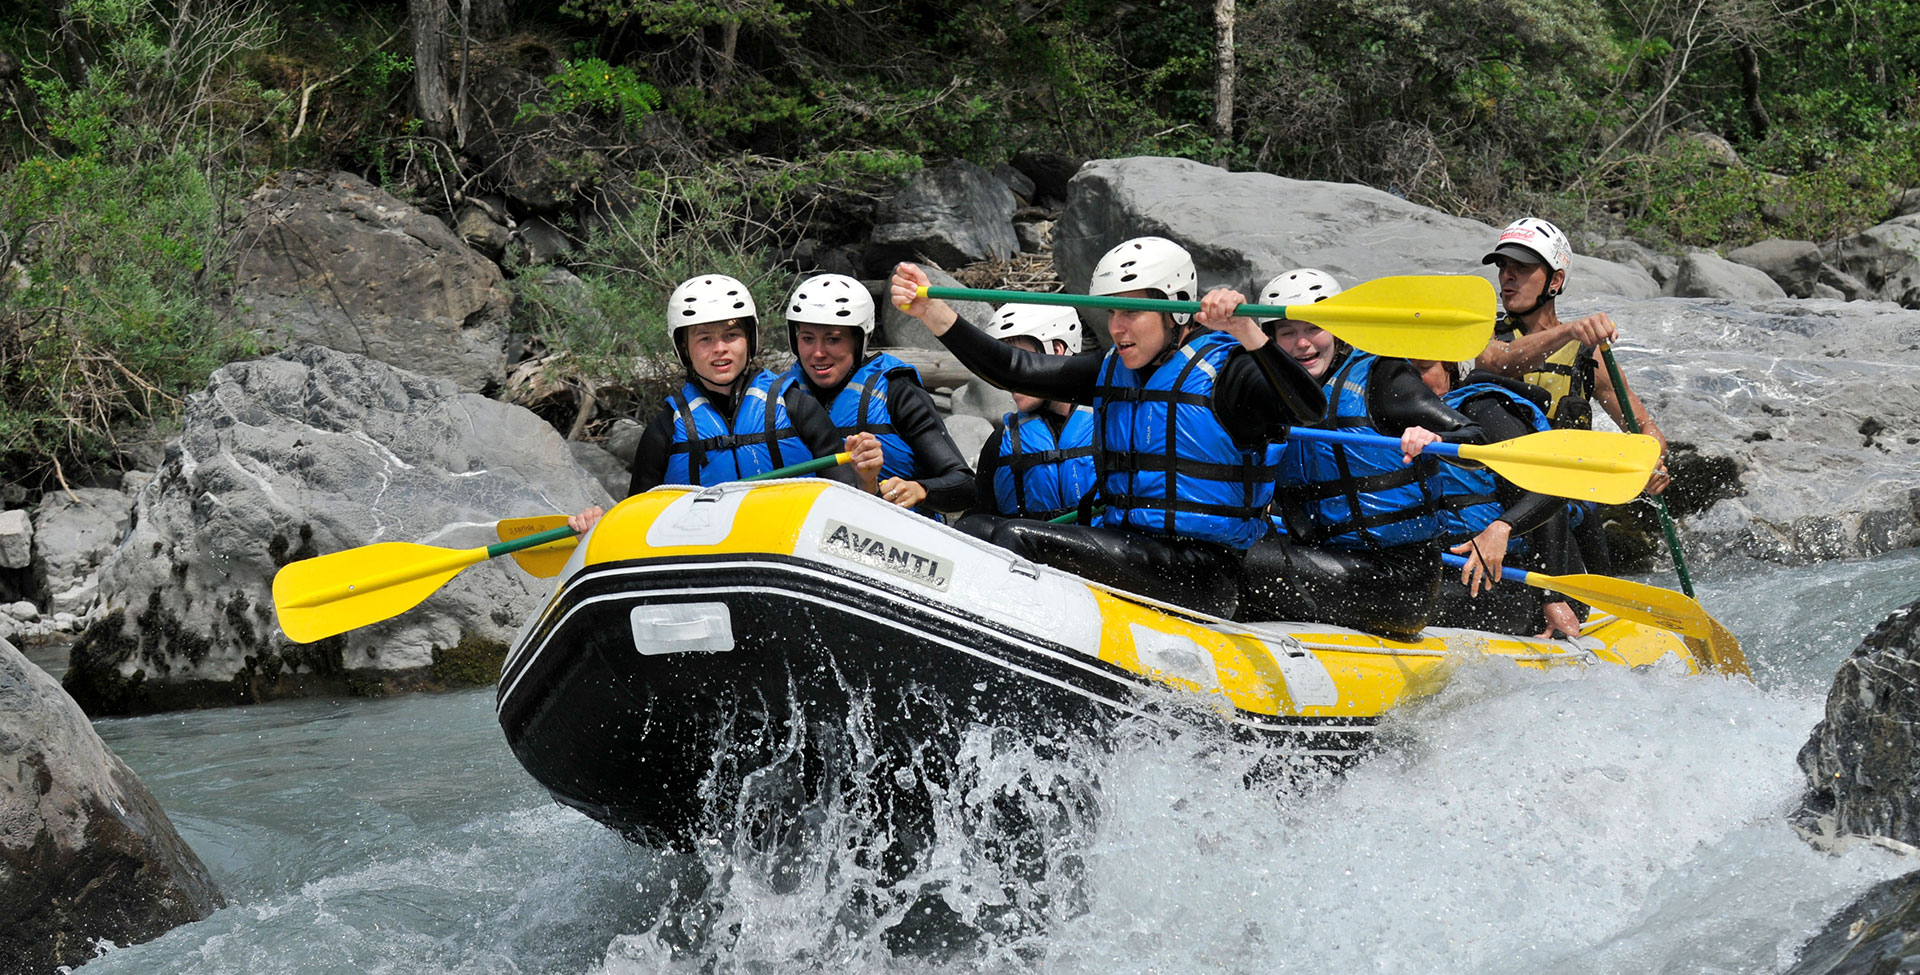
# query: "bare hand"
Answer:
x=1657 y=483
x=904 y=292
x=1486 y=555
x=1414 y=440
x=1216 y=312
x=868 y=455
x=1593 y=330
x=904 y=493
x=585 y=520
x=1561 y=621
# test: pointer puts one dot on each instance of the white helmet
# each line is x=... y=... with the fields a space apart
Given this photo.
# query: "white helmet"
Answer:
x=709 y=298
x=1152 y=263
x=1534 y=241
x=1300 y=286
x=832 y=299
x=1042 y=323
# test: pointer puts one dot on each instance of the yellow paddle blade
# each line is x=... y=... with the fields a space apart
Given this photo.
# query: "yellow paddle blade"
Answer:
x=1586 y=465
x=1659 y=607
x=544 y=561
x=1424 y=316
x=319 y=597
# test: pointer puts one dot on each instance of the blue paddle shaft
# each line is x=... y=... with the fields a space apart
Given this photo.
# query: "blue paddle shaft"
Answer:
x=1356 y=438
x=1507 y=572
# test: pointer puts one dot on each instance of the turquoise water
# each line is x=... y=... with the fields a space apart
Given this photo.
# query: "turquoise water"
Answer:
x=1595 y=821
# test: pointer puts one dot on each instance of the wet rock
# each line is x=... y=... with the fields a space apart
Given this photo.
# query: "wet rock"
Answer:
x=77 y=529
x=1885 y=259
x=1707 y=275
x=1771 y=397
x=16 y=539
x=333 y=260
x=481 y=232
x=1015 y=180
x=1792 y=264
x=951 y=215
x=1878 y=934
x=969 y=433
x=1050 y=173
x=898 y=328
x=603 y=466
x=86 y=854
x=308 y=452
x=1244 y=228
x=978 y=398
x=1862 y=761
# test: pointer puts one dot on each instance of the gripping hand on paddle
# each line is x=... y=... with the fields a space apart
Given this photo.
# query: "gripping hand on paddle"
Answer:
x=867 y=458
x=1562 y=622
x=585 y=520
x=1486 y=554
x=1216 y=312
x=1413 y=440
x=908 y=279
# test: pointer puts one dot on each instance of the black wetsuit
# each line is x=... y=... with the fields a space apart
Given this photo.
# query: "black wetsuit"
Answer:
x=1510 y=607
x=810 y=421
x=1255 y=397
x=1387 y=590
x=937 y=463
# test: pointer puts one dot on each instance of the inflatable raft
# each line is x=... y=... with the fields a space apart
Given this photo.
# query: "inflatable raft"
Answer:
x=696 y=633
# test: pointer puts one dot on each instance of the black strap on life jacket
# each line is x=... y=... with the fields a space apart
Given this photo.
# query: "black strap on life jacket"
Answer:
x=696 y=448
x=1022 y=460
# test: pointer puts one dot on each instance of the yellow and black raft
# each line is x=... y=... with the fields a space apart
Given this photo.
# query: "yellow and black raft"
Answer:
x=696 y=632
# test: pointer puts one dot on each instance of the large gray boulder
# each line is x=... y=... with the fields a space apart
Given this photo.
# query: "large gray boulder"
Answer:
x=1704 y=274
x=1792 y=264
x=1862 y=761
x=16 y=539
x=952 y=215
x=76 y=530
x=301 y=454
x=1806 y=406
x=1244 y=228
x=333 y=260
x=86 y=854
x=1874 y=935
x=1885 y=259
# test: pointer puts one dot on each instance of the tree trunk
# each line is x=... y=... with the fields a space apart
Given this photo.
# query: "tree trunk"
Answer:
x=460 y=122
x=1750 y=87
x=491 y=18
x=1222 y=127
x=428 y=19
x=72 y=44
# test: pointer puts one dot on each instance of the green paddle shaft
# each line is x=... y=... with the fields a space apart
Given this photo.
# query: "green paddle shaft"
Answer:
x=1095 y=301
x=1659 y=503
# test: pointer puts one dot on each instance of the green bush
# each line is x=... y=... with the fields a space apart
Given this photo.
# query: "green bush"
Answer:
x=111 y=320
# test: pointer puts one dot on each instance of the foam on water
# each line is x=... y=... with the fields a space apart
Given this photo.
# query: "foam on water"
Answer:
x=1573 y=821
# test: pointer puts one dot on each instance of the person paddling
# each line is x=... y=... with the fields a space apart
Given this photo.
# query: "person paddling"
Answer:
x=829 y=322
x=730 y=420
x=1493 y=523
x=1359 y=548
x=1041 y=465
x=1532 y=344
x=1183 y=417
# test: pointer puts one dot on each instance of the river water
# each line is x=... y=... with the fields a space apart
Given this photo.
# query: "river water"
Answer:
x=1582 y=821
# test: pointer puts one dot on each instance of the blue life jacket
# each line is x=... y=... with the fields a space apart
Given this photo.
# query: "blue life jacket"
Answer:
x=1354 y=497
x=1465 y=495
x=1167 y=466
x=861 y=407
x=707 y=451
x=1039 y=476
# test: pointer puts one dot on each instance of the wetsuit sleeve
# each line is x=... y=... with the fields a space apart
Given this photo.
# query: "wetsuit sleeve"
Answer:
x=1524 y=510
x=988 y=464
x=1264 y=391
x=815 y=427
x=937 y=463
x=1068 y=378
x=1401 y=400
x=650 y=458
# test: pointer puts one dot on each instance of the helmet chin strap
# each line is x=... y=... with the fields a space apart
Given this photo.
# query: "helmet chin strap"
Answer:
x=1547 y=294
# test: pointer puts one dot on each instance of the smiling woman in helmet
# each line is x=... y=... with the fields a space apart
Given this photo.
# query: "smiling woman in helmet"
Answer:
x=730 y=420
x=829 y=320
x=1359 y=547
x=1183 y=415
x=1041 y=464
